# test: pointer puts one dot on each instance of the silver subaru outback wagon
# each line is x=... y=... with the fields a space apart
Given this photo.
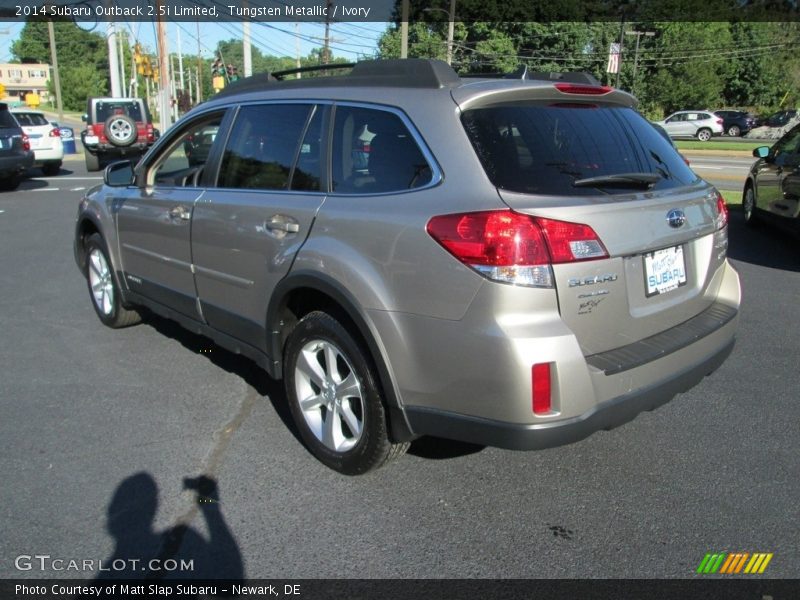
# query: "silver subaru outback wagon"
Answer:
x=509 y=262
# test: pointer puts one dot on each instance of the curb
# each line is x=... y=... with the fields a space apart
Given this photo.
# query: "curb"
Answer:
x=745 y=153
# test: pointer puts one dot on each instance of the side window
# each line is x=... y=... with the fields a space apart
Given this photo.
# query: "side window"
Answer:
x=373 y=152
x=264 y=145
x=183 y=161
x=788 y=145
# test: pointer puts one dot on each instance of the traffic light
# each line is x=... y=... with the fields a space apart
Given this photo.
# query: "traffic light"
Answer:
x=137 y=53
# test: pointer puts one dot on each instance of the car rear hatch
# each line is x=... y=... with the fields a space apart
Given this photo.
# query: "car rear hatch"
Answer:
x=635 y=238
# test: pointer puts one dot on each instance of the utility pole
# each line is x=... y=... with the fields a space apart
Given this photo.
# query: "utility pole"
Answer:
x=638 y=35
x=56 y=78
x=247 y=61
x=404 y=30
x=297 y=47
x=199 y=68
x=326 y=57
x=180 y=57
x=163 y=71
x=113 y=60
x=123 y=85
x=621 y=39
x=450 y=30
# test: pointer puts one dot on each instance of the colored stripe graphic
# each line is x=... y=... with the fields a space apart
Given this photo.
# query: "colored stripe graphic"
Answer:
x=730 y=563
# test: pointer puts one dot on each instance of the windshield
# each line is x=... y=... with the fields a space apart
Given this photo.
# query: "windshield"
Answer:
x=545 y=147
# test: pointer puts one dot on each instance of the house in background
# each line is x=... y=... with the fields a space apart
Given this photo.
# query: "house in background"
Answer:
x=20 y=80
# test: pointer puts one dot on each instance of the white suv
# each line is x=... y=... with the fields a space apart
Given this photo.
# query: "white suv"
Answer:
x=693 y=123
x=45 y=138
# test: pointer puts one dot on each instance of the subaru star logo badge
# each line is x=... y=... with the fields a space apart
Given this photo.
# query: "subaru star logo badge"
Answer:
x=676 y=218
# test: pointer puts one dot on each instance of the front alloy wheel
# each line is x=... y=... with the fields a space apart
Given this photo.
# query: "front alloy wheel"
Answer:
x=103 y=286
x=335 y=397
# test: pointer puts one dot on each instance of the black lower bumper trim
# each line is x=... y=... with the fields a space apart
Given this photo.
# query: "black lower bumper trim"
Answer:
x=610 y=414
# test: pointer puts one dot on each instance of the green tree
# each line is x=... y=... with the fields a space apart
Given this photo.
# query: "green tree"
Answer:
x=82 y=58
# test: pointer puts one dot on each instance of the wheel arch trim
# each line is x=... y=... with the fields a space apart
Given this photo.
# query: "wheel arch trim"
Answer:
x=399 y=427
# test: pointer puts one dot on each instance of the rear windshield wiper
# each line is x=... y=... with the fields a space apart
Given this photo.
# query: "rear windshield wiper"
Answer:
x=643 y=180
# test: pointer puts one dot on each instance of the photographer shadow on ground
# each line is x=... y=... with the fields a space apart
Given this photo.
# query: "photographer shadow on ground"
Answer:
x=179 y=552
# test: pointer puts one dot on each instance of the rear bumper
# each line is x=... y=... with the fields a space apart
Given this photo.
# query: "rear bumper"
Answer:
x=10 y=165
x=609 y=414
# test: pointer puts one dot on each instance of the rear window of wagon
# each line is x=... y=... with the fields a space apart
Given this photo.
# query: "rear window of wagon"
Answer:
x=543 y=147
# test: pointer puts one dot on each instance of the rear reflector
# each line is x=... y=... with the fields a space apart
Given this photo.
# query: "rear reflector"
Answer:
x=541 y=388
x=588 y=90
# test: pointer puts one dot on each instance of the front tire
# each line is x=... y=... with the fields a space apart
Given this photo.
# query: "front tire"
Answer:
x=335 y=397
x=704 y=135
x=103 y=289
x=734 y=131
x=749 y=206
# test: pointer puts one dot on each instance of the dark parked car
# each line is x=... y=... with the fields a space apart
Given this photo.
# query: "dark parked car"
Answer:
x=15 y=150
x=772 y=190
x=116 y=128
x=736 y=122
x=780 y=118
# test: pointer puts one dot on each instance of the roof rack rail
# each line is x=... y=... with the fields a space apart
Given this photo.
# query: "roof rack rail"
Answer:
x=522 y=72
x=279 y=75
x=399 y=73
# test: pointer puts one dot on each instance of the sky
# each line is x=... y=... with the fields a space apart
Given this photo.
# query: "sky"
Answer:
x=348 y=40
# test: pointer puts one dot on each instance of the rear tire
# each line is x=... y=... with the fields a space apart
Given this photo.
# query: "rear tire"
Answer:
x=103 y=289
x=92 y=161
x=51 y=168
x=10 y=183
x=704 y=135
x=335 y=397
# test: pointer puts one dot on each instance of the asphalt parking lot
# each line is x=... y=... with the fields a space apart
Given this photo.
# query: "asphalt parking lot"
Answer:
x=101 y=428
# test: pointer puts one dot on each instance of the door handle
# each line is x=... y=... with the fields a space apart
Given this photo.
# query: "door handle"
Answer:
x=280 y=223
x=180 y=212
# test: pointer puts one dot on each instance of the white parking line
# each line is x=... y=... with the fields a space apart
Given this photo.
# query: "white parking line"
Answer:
x=77 y=189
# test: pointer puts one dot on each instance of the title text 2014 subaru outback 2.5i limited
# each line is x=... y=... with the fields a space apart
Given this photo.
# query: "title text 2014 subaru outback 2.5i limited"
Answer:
x=515 y=263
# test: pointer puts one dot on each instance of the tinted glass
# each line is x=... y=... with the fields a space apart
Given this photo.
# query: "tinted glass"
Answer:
x=181 y=164
x=7 y=119
x=30 y=119
x=263 y=145
x=308 y=170
x=373 y=152
x=104 y=110
x=542 y=148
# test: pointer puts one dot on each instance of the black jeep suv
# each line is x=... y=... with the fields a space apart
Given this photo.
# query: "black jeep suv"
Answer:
x=116 y=128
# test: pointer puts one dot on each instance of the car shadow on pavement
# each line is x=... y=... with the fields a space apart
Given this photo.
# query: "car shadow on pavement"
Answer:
x=231 y=362
x=764 y=245
x=424 y=447
x=178 y=552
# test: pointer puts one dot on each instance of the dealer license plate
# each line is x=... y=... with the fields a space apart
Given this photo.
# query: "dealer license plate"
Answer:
x=664 y=270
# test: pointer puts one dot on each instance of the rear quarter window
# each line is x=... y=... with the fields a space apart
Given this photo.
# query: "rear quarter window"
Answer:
x=7 y=119
x=542 y=148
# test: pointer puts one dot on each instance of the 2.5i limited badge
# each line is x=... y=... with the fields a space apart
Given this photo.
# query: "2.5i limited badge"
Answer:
x=595 y=279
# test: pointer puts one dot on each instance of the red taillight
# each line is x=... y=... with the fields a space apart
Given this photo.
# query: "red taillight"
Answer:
x=722 y=212
x=541 y=388
x=55 y=133
x=514 y=248
x=589 y=90
x=571 y=242
x=26 y=142
x=719 y=121
x=494 y=238
x=150 y=133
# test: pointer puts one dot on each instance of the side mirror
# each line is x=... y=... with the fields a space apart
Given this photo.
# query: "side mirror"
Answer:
x=119 y=174
x=761 y=152
x=85 y=118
